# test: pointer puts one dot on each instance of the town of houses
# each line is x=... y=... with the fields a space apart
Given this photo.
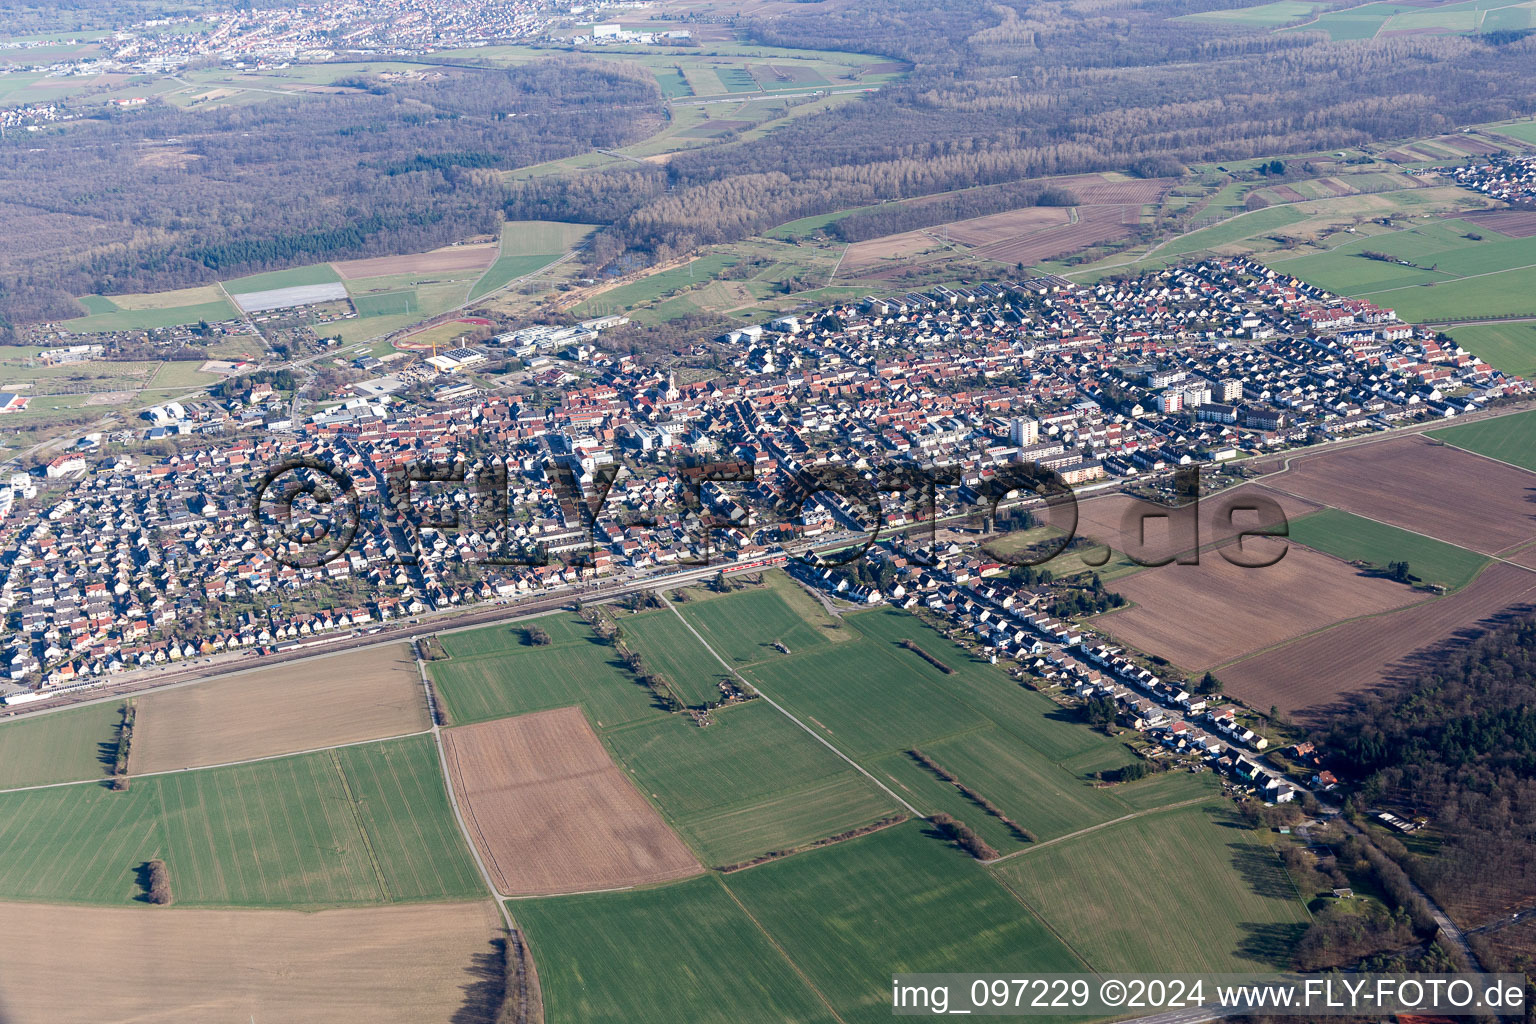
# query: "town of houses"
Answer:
x=112 y=559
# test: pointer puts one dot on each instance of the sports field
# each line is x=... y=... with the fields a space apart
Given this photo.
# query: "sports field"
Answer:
x=358 y=825
x=1191 y=886
x=750 y=783
x=321 y=703
x=682 y=952
x=1509 y=439
x=60 y=747
x=1354 y=538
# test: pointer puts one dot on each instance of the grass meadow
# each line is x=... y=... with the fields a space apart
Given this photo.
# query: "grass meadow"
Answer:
x=64 y=746
x=1509 y=439
x=898 y=900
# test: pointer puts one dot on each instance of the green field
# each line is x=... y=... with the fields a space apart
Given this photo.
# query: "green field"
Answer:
x=148 y=319
x=875 y=700
x=1191 y=888
x=1263 y=16
x=561 y=627
x=1525 y=131
x=356 y=825
x=526 y=246
x=1509 y=439
x=743 y=626
x=314 y=273
x=1452 y=276
x=750 y=783
x=900 y=900
x=1352 y=538
x=667 y=646
x=64 y=746
x=515 y=679
x=1508 y=347
x=684 y=952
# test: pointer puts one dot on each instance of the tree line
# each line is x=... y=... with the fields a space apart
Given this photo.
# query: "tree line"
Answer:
x=160 y=197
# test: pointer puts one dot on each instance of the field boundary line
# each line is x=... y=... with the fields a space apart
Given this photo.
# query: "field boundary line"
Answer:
x=362 y=829
x=458 y=817
x=1101 y=825
x=783 y=711
x=221 y=764
x=1021 y=901
x=782 y=951
x=1490 y=458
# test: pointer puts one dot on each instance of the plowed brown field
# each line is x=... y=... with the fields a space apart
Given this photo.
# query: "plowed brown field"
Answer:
x=1197 y=616
x=551 y=813
x=1423 y=486
x=316 y=703
x=384 y=965
x=455 y=257
x=1313 y=672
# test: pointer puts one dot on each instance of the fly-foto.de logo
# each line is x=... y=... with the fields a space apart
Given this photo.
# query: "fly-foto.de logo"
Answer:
x=308 y=513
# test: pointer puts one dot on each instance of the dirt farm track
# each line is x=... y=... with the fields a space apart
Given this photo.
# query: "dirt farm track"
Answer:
x=551 y=813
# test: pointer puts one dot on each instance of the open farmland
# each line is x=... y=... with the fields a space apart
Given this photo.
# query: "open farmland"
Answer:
x=511 y=679
x=744 y=626
x=1245 y=914
x=751 y=783
x=1510 y=347
x=1355 y=539
x=1509 y=439
x=321 y=703
x=1423 y=486
x=876 y=700
x=667 y=646
x=1315 y=671
x=899 y=900
x=358 y=825
x=550 y=812
x=1514 y=223
x=386 y=965
x=1103 y=519
x=62 y=746
x=682 y=952
x=447 y=260
x=1199 y=615
x=527 y=246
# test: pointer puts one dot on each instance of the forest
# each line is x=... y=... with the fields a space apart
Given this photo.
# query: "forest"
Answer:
x=161 y=198
x=1008 y=91
x=1456 y=744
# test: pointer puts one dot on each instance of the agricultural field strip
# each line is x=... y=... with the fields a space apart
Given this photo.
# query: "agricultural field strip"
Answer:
x=1203 y=799
x=1155 y=250
x=453 y=798
x=779 y=708
x=229 y=764
x=1494 y=557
